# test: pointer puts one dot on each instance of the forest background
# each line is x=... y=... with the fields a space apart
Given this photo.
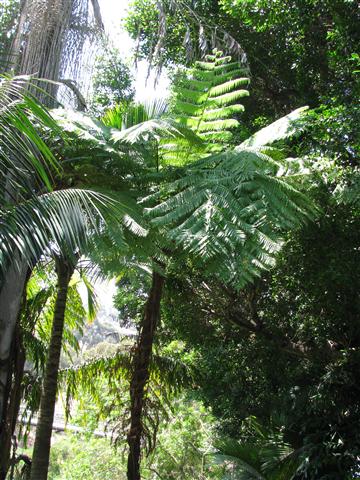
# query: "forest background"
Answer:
x=273 y=365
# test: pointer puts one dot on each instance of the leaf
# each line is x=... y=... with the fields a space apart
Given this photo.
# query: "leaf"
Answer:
x=279 y=130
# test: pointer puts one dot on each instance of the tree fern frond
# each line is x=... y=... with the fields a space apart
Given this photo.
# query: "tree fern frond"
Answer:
x=208 y=66
x=218 y=125
x=223 y=112
x=232 y=206
x=205 y=101
x=220 y=77
x=186 y=94
x=228 y=98
x=278 y=130
x=228 y=86
x=214 y=137
x=185 y=107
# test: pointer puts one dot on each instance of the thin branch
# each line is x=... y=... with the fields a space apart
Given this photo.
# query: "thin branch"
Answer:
x=80 y=98
x=97 y=14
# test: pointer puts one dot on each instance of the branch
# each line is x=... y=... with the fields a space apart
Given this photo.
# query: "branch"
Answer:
x=79 y=97
x=97 y=14
x=151 y=469
x=22 y=458
x=289 y=347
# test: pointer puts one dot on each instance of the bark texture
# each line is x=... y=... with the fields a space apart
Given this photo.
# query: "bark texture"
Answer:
x=41 y=453
x=10 y=300
x=13 y=400
x=140 y=376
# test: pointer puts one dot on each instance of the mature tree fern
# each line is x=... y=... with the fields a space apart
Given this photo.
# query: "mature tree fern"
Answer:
x=206 y=99
x=231 y=209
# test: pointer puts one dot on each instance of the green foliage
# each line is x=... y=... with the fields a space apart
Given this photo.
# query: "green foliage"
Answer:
x=184 y=445
x=9 y=10
x=104 y=381
x=112 y=81
x=230 y=210
x=286 y=345
x=276 y=131
x=36 y=324
x=205 y=100
x=281 y=345
x=76 y=458
x=126 y=116
x=183 y=450
x=263 y=456
x=299 y=53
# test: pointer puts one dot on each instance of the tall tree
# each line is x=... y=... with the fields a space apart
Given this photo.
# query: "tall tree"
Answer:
x=40 y=459
x=214 y=218
x=41 y=42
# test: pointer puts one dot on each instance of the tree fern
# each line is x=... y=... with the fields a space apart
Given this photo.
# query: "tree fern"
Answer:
x=206 y=99
x=230 y=211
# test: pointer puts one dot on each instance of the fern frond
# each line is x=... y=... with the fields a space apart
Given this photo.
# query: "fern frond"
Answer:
x=206 y=101
x=223 y=112
x=218 y=125
x=229 y=98
x=278 y=130
x=231 y=210
x=228 y=86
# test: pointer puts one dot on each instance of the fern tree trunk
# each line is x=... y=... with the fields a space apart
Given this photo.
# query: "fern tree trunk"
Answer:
x=41 y=453
x=140 y=376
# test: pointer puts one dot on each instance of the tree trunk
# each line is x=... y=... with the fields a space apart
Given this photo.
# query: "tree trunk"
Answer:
x=10 y=300
x=140 y=376
x=16 y=373
x=41 y=453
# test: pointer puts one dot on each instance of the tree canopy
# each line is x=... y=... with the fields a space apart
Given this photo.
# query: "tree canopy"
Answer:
x=224 y=218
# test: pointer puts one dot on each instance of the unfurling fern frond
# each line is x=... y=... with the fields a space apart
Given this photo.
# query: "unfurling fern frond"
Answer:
x=206 y=99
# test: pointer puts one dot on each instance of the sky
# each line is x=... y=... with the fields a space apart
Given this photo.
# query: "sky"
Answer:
x=113 y=11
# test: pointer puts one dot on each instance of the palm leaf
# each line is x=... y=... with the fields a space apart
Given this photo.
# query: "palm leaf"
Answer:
x=25 y=159
x=65 y=218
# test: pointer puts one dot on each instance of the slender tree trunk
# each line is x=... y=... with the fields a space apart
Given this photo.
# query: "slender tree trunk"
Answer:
x=10 y=300
x=16 y=374
x=140 y=376
x=41 y=453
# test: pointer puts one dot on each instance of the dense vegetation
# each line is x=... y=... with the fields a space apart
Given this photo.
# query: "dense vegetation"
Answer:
x=228 y=216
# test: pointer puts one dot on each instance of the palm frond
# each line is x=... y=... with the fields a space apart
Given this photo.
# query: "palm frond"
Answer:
x=25 y=159
x=156 y=129
x=64 y=218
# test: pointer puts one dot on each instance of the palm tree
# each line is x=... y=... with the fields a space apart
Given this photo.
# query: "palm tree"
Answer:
x=43 y=36
x=40 y=459
x=266 y=457
x=33 y=218
x=25 y=161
